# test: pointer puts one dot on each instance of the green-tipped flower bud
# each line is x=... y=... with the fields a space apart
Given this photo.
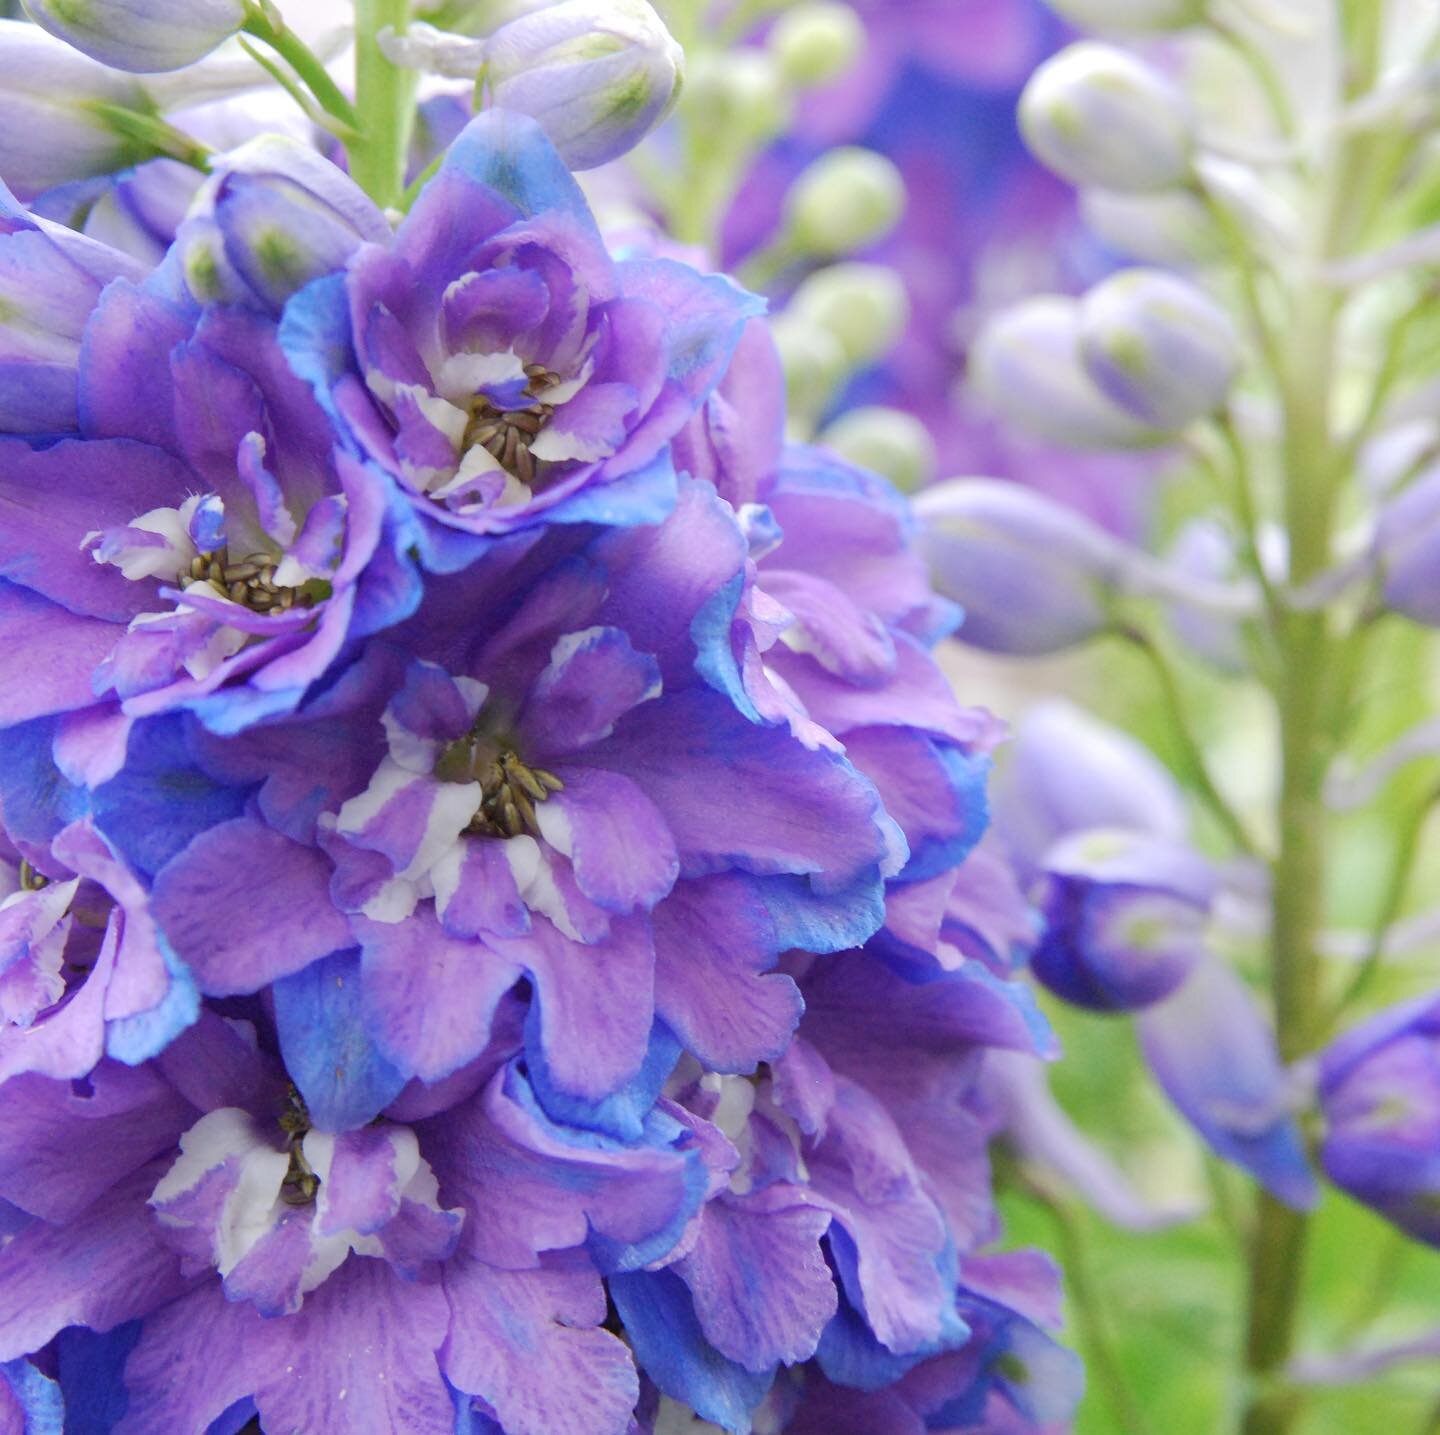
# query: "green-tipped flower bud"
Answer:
x=887 y=441
x=814 y=364
x=864 y=305
x=739 y=97
x=1027 y=365
x=1098 y=116
x=816 y=43
x=598 y=76
x=140 y=35
x=847 y=199
x=1158 y=346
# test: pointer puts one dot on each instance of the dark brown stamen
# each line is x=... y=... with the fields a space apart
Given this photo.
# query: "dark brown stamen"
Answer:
x=506 y=434
x=30 y=879
x=509 y=788
x=249 y=582
x=301 y=1183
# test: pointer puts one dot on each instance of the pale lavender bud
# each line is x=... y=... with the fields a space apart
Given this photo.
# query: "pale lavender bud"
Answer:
x=597 y=76
x=1214 y=1053
x=273 y=215
x=1125 y=917
x=1407 y=550
x=50 y=133
x=1169 y=226
x=1131 y=17
x=1098 y=116
x=1158 y=346
x=141 y=35
x=1030 y=574
x=1027 y=364
x=1067 y=771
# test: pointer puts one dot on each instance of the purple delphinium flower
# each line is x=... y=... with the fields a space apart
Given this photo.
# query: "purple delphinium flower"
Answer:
x=530 y=780
x=83 y=969
x=855 y=1176
x=359 y=1281
x=207 y=548
x=1380 y=1094
x=498 y=364
x=458 y=920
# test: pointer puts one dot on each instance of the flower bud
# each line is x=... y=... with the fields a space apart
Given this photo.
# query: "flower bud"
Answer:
x=1407 y=550
x=1030 y=575
x=1098 y=116
x=143 y=37
x=847 y=199
x=597 y=76
x=273 y=216
x=1027 y=364
x=887 y=441
x=816 y=43
x=49 y=132
x=51 y=279
x=1169 y=226
x=1213 y=1052
x=1067 y=771
x=737 y=97
x=1125 y=916
x=1131 y=17
x=813 y=360
x=1380 y=1092
x=1158 y=346
x=864 y=305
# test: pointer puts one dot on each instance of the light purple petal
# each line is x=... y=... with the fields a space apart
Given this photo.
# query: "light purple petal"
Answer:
x=244 y=905
x=529 y=1344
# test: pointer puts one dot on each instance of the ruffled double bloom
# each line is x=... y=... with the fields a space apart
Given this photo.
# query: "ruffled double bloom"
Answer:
x=490 y=942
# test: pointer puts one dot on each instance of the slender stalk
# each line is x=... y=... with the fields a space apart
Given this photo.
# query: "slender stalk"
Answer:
x=1277 y=1253
x=1192 y=756
x=1406 y=851
x=1102 y=1359
x=265 y=23
x=385 y=100
x=1313 y=470
x=153 y=135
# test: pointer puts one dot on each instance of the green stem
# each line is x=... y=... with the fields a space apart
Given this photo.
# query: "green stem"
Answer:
x=385 y=100
x=1197 y=771
x=1299 y=870
x=1313 y=472
x=1101 y=1358
x=264 y=23
x=153 y=135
